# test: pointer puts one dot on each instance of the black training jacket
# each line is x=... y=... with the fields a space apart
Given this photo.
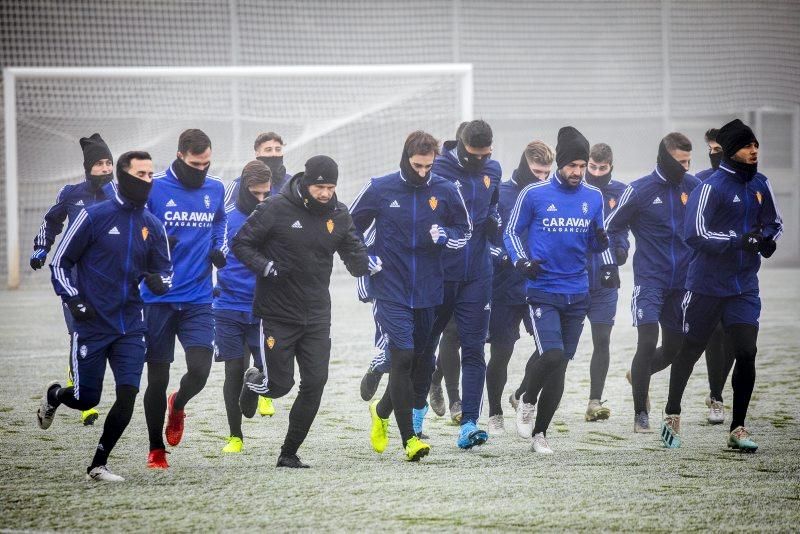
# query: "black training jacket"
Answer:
x=301 y=245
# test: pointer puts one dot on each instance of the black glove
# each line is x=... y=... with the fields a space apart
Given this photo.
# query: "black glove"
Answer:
x=491 y=226
x=504 y=261
x=155 y=283
x=218 y=258
x=602 y=237
x=609 y=276
x=528 y=268
x=276 y=270
x=81 y=311
x=38 y=258
x=751 y=242
x=172 y=241
x=622 y=256
x=767 y=247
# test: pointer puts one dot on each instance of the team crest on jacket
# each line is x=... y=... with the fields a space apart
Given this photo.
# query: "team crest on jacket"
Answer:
x=207 y=201
x=759 y=197
x=329 y=224
x=270 y=342
x=684 y=198
x=145 y=232
x=612 y=202
x=433 y=202
x=486 y=181
x=585 y=208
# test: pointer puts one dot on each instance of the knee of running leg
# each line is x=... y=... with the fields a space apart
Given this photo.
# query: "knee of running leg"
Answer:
x=276 y=391
x=315 y=385
x=126 y=396
x=554 y=357
x=89 y=398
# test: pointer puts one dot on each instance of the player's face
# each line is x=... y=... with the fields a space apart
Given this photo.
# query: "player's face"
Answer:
x=682 y=156
x=198 y=161
x=322 y=193
x=101 y=167
x=541 y=172
x=269 y=149
x=747 y=154
x=142 y=169
x=422 y=163
x=598 y=169
x=260 y=191
x=714 y=147
x=573 y=171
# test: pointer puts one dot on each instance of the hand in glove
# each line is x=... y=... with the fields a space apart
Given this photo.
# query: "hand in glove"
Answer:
x=601 y=237
x=609 y=276
x=276 y=270
x=155 y=283
x=528 y=268
x=375 y=265
x=218 y=258
x=622 y=256
x=80 y=310
x=438 y=235
x=751 y=242
x=767 y=247
x=492 y=226
x=38 y=258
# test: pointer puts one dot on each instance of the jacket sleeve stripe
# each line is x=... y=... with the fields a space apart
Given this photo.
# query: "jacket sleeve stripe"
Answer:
x=700 y=222
x=512 y=223
x=460 y=243
x=778 y=216
x=58 y=271
x=626 y=195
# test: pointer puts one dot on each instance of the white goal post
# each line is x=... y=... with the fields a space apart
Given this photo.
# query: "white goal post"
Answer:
x=58 y=104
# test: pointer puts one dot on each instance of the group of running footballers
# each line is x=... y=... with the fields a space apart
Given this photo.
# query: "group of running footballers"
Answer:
x=449 y=256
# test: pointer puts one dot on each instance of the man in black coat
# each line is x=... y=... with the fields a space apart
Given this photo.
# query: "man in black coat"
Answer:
x=289 y=241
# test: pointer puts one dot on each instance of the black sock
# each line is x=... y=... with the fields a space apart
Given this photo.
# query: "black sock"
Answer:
x=198 y=367
x=497 y=375
x=541 y=370
x=116 y=422
x=717 y=363
x=680 y=372
x=598 y=368
x=304 y=411
x=550 y=398
x=450 y=362
x=155 y=402
x=234 y=378
x=528 y=370
x=640 y=366
x=401 y=391
x=384 y=407
x=741 y=340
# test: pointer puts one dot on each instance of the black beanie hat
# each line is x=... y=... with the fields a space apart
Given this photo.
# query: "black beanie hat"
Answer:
x=733 y=136
x=94 y=149
x=571 y=145
x=320 y=170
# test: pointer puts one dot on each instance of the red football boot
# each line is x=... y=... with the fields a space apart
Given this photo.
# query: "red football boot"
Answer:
x=157 y=459
x=174 y=431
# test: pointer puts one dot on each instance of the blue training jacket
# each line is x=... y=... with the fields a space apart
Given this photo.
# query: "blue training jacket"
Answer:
x=197 y=219
x=612 y=191
x=232 y=190
x=704 y=174
x=654 y=210
x=113 y=245
x=560 y=222
x=69 y=202
x=726 y=206
x=508 y=285
x=480 y=193
x=236 y=284
x=403 y=214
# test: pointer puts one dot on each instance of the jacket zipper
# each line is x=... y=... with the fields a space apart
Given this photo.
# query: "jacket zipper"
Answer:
x=744 y=231
x=466 y=246
x=125 y=278
x=413 y=246
x=672 y=237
